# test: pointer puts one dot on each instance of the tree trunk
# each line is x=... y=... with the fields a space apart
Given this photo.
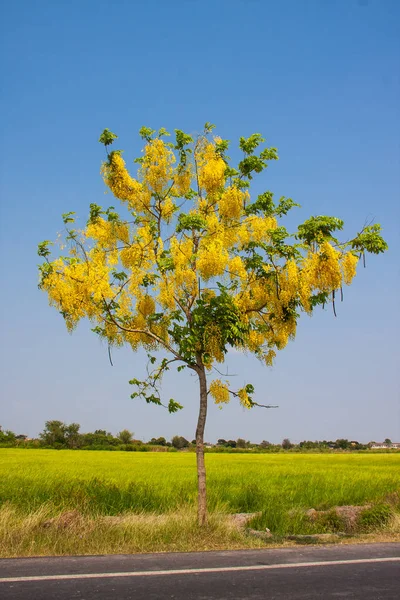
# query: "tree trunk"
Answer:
x=201 y=468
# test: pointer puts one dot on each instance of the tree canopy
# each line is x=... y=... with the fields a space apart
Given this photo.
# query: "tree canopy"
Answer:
x=193 y=265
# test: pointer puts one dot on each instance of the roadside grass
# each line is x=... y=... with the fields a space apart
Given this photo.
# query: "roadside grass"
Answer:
x=28 y=535
x=154 y=498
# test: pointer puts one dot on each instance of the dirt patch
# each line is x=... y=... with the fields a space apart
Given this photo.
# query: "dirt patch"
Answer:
x=240 y=520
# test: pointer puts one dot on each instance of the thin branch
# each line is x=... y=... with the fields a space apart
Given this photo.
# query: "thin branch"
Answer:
x=224 y=374
x=265 y=405
x=144 y=332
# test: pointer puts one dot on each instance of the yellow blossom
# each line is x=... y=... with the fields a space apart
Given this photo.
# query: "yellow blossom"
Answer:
x=219 y=391
x=349 y=267
x=244 y=398
x=211 y=170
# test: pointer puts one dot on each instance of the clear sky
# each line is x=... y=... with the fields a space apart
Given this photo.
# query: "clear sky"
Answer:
x=319 y=78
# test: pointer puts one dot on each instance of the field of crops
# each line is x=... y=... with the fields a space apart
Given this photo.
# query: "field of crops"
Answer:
x=282 y=486
x=113 y=483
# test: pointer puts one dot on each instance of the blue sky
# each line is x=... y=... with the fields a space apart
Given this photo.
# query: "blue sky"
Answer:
x=319 y=78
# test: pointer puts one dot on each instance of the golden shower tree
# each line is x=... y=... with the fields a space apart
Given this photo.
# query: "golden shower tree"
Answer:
x=195 y=266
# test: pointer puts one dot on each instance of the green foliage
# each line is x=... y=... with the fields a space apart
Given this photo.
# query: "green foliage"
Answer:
x=68 y=218
x=182 y=140
x=95 y=211
x=43 y=248
x=329 y=522
x=125 y=436
x=180 y=442
x=370 y=240
x=163 y=132
x=190 y=223
x=251 y=162
x=146 y=133
x=208 y=127
x=173 y=406
x=107 y=137
x=248 y=145
x=319 y=228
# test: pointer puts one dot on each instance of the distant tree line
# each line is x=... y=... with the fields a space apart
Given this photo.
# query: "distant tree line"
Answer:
x=59 y=435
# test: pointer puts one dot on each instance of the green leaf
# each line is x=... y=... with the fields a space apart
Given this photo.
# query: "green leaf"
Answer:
x=107 y=137
x=43 y=249
x=68 y=218
x=173 y=406
x=370 y=240
x=190 y=223
x=146 y=133
x=95 y=212
x=316 y=229
x=119 y=276
x=162 y=132
x=208 y=127
x=248 y=145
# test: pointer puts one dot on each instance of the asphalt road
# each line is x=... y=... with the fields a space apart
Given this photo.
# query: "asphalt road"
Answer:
x=364 y=572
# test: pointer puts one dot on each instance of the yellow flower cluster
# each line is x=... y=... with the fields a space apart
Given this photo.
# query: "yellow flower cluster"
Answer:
x=237 y=269
x=181 y=251
x=182 y=180
x=212 y=343
x=123 y=186
x=77 y=288
x=231 y=203
x=157 y=166
x=211 y=169
x=146 y=305
x=322 y=268
x=269 y=357
x=219 y=391
x=167 y=209
x=212 y=258
x=244 y=398
x=107 y=233
x=349 y=267
x=289 y=282
x=166 y=294
x=258 y=228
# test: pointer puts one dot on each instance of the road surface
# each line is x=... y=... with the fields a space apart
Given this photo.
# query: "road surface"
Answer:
x=361 y=572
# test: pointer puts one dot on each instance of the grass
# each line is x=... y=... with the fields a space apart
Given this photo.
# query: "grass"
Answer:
x=157 y=494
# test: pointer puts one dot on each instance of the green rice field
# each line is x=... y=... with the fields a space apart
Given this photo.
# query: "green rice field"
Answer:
x=105 y=483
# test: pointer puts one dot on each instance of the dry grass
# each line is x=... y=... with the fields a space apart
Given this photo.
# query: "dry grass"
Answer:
x=41 y=533
x=45 y=533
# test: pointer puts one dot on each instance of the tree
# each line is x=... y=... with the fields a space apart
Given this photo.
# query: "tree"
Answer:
x=180 y=442
x=286 y=444
x=343 y=444
x=125 y=436
x=161 y=441
x=241 y=443
x=265 y=444
x=53 y=433
x=192 y=266
x=388 y=441
x=72 y=436
x=7 y=436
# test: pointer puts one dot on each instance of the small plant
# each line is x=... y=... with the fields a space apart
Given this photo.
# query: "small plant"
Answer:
x=374 y=518
x=330 y=522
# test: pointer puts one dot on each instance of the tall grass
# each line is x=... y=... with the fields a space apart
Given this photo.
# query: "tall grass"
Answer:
x=114 y=483
x=99 y=484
